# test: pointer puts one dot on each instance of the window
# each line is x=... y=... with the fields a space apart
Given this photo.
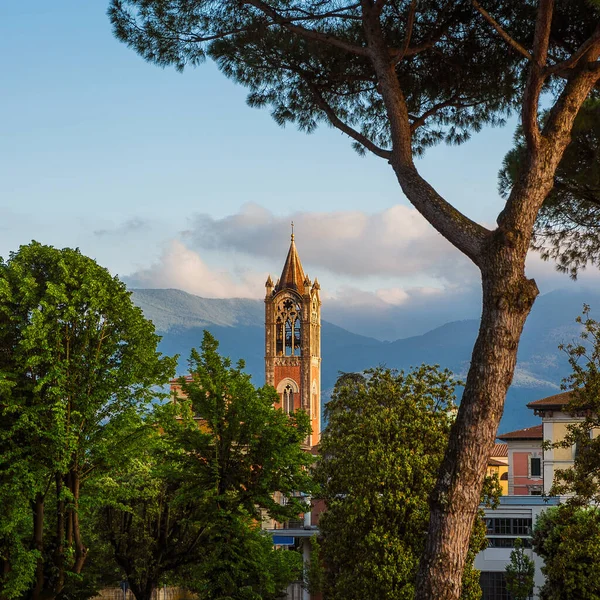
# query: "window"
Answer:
x=279 y=337
x=493 y=585
x=514 y=527
x=288 y=338
x=535 y=467
x=288 y=329
x=288 y=399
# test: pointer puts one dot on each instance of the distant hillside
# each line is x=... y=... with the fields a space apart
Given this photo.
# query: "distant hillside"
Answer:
x=238 y=325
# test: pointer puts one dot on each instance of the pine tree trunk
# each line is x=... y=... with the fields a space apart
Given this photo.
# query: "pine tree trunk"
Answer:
x=507 y=300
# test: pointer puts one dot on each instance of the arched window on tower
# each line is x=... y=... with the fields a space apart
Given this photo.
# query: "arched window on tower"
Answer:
x=279 y=337
x=289 y=341
x=297 y=337
x=288 y=329
x=288 y=399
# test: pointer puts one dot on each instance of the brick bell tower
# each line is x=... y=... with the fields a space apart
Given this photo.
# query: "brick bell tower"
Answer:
x=293 y=340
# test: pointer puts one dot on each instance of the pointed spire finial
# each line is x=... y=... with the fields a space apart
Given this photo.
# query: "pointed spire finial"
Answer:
x=292 y=231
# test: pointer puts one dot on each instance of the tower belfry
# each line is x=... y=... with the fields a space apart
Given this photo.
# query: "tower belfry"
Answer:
x=293 y=340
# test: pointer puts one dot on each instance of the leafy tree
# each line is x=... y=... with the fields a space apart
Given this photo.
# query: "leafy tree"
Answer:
x=188 y=508
x=397 y=76
x=78 y=362
x=385 y=439
x=520 y=572
x=568 y=224
x=568 y=539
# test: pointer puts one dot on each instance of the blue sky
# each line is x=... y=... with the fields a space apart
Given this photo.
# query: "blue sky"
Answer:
x=170 y=180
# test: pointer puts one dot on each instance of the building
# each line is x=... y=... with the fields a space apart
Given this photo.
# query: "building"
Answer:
x=498 y=466
x=524 y=461
x=531 y=469
x=293 y=341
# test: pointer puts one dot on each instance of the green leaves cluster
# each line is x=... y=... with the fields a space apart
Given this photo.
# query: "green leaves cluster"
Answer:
x=520 y=573
x=568 y=539
x=386 y=436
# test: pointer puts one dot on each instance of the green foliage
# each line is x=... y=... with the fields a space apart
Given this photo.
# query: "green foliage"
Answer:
x=385 y=439
x=568 y=224
x=78 y=362
x=520 y=573
x=187 y=508
x=568 y=539
x=582 y=479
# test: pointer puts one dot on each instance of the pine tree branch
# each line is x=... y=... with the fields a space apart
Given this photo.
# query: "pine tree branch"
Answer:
x=576 y=57
x=311 y=34
x=344 y=127
x=503 y=34
x=536 y=77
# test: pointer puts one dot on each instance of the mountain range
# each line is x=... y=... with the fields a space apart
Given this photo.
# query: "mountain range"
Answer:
x=238 y=324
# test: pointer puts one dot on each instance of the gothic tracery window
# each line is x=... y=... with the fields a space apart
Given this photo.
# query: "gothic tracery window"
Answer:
x=288 y=329
x=288 y=399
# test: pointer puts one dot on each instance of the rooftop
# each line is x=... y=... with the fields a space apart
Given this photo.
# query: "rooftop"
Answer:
x=499 y=451
x=529 y=433
x=552 y=402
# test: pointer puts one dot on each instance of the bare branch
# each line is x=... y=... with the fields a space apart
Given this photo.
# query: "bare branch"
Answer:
x=311 y=34
x=339 y=124
x=503 y=34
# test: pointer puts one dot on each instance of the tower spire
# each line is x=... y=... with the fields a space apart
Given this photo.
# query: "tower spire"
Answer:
x=292 y=276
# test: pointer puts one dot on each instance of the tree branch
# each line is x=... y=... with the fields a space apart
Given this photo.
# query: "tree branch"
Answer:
x=465 y=234
x=310 y=34
x=503 y=34
x=409 y=29
x=339 y=124
x=536 y=77
x=572 y=62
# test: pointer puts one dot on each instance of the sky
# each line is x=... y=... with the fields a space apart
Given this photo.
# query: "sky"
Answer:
x=171 y=180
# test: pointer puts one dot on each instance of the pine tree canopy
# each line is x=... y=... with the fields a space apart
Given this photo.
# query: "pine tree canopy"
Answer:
x=309 y=61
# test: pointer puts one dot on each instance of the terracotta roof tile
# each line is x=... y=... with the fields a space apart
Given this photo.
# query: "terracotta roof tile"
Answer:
x=499 y=451
x=494 y=462
x=551 y=401
x=529 y=433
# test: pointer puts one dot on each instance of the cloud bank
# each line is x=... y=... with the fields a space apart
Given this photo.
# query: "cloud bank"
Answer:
x=377 y=262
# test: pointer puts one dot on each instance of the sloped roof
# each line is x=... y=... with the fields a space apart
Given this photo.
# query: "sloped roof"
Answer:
x=494 y=462
x=529 y=433
x=292 y=276
x=499 y=451
x=552 y=402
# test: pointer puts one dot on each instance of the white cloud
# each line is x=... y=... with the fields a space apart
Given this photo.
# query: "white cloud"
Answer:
x=183 y=269
x=396 y=242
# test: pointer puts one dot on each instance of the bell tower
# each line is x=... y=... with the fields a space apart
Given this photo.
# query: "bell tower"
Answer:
x=293 y=340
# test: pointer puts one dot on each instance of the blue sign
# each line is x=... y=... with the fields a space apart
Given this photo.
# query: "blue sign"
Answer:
x=283 y=540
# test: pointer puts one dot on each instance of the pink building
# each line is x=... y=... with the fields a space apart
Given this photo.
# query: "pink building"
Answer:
x=525 y=458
